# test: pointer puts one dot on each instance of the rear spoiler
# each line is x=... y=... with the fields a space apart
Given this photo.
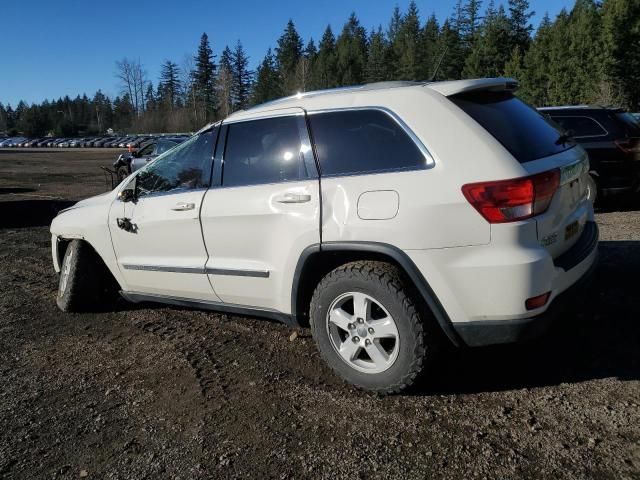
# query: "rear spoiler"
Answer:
x=500 y=84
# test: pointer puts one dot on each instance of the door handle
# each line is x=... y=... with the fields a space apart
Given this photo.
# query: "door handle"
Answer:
x=294 y=198
x=182 y=206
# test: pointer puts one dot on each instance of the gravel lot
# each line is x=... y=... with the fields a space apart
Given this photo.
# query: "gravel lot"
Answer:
x=160 y=392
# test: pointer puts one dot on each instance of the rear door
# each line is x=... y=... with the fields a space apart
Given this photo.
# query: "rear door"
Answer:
x=264 y=210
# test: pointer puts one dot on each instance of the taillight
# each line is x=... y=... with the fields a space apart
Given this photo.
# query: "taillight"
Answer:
x=516 y=199
x=628 y=145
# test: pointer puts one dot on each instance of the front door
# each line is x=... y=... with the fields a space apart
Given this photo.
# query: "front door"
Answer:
x=157 y=237
x=264 y=210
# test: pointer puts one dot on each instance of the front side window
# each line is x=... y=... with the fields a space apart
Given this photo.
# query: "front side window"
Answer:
x=270 y=150
x=362 y=141
x=186 y=167
x=147 y=150
x=580 y=126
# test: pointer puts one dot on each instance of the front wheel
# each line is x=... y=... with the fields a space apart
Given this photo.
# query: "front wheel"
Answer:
x=84 y=282
x=123 y=172
x=365 y=321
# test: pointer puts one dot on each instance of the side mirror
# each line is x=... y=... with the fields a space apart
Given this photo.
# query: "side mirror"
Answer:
x=127 y=195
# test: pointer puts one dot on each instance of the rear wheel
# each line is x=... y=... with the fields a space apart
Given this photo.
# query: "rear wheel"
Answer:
x=365 y=321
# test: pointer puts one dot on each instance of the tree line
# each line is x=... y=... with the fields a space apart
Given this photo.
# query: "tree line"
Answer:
x=588 y=54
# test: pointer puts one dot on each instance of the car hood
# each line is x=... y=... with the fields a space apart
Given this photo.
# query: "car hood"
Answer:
x=91 y=201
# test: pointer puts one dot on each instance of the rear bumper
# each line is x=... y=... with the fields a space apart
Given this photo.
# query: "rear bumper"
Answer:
x=583 y=256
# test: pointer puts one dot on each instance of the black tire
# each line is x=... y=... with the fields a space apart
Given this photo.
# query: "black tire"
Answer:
x=85 y=284
x=122 y=172
x=418 y=340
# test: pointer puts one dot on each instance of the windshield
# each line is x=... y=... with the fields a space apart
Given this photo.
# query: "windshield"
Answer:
x=521 y=129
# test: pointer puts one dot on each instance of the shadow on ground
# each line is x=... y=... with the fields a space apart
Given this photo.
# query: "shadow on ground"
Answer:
x=618 y=203
x=30 y=213
x=597 y=338
x=14 y=190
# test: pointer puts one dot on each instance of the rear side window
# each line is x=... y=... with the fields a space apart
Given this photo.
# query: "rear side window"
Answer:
x=362 y=141
x=521 y=129
x=580 y=126
x=267 y=151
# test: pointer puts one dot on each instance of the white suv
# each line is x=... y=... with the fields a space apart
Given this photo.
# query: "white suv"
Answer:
x=388 y=217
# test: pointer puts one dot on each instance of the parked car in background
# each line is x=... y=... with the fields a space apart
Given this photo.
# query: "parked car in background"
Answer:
x=15 y=141
x=130 y=162
x=32 y=142
x=113 y=143
x=386 y=230
x=611 y=137
x=43 y=142
x=5 y=143
x=99 y=143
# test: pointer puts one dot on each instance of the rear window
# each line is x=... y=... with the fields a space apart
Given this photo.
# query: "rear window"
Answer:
x=521 y=129
x=630 y=123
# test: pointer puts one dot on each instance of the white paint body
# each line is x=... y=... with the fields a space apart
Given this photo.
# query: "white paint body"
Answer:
x=478 y=271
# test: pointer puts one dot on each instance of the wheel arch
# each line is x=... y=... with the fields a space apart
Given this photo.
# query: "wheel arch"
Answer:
x=61 y=250
x=319 y=259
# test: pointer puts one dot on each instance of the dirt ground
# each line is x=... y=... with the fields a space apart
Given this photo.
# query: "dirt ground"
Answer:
x=146 y=391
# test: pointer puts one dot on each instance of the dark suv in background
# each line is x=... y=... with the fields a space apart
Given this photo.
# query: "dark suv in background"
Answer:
x=611 y=137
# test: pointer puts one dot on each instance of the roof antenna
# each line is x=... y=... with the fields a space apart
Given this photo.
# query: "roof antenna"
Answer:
x=435 y=71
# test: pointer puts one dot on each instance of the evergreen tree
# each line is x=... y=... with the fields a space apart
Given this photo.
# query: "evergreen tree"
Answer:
x=351 y=53
x=150 y=98
x=429 y=46
x=409 y=65
x=169 y=85
x=3 y=118
x=304 y=70
x=490 y=52
x=242 y=78
x=394 y=24
x=267 y=86
x=519 y=26
x=621 y=44
x=288 y=54
x=377 y=69
x=323 y=73
x=224 y=85
x=204 y=78
x=450 y=48
x=468 y=22
x=534 y=80
x=514 y=68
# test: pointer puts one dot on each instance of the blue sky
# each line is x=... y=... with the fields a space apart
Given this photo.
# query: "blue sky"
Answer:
x=66 y=47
